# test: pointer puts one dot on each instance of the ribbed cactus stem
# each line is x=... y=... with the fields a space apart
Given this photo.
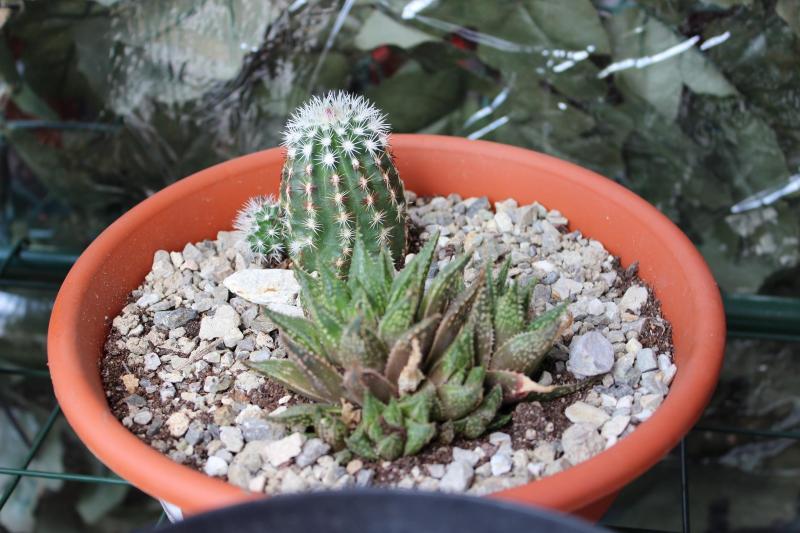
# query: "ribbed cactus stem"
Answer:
x=260 y=223
x=339 y=181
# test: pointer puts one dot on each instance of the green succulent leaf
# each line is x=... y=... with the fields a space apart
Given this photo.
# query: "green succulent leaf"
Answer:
x=458 y=359
x=481 y=322
x=359 y=347
x=419 y=337
x=418 y=434
x=291 y=376
x=299 y=329
x=509 y=316
x=457 y=400
x=322 y=375
x=443 y=286
x=475 y=424
x=455 y=317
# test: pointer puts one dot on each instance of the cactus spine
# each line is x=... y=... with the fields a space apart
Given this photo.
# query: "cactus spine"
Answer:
x=338 y=181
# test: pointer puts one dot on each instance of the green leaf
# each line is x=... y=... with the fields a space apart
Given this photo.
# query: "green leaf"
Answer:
x=291 y=376
x=571 y=24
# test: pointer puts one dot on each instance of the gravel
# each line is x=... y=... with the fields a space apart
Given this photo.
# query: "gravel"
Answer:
x=176 y=375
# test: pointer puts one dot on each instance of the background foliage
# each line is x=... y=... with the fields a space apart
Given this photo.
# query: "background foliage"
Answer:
x=693 y=104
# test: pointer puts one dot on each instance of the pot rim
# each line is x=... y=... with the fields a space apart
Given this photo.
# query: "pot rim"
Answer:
x=88 y=413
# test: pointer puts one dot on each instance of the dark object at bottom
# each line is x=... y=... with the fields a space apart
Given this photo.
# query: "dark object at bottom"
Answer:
x=380 y=511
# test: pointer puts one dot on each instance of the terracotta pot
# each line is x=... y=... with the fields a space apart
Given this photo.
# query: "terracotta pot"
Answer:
x=197 y=207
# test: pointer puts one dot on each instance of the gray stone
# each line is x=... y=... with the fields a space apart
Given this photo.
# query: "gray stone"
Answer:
x=151 y=361
x=194 y=433
x=215 y=466
x=364 y=477
x=581 y=441
x=583 y=412
x=457 y=477
x=281 y=451
x=503 y=221
x=222 y=324
x=313 y=449
x=615 y=426
x=264 y=286
x=646 y=360
x=175 y=318
x=590 y=354
x=231 y=437
x=633 y=299
x=292 y=482
x=143 y=417
x=435 y=470
x=469 y=457
x=162 y=264
x=254 y=429
x=177 y=424
x=501 y=463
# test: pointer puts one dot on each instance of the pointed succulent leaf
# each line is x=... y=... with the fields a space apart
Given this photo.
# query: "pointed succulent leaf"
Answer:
x=556 y=319
x=418 y=434
x=392 y=414
x=526 y=299
x=418 y=406
x=500 y=420
x=415 y=272
x=459 y=358
x=299 y=329
x=455 y=317
x=420 y=333
x=516 y=386
x=443 y=286
x=457 y=400
x=525 y=351
x=335 y=290
x=561 y=390
x=480 y=319
x=331 y=430
x=304 y=413
x=475 y=424
x=500 y=284
x=359 y=347
x=509 y=315
x=390 y=447
x=360 y=444
x=310 y=288
x=320 y=373
x=359 y=381
x=291 y=376
x=399 y=316
x=369 y=275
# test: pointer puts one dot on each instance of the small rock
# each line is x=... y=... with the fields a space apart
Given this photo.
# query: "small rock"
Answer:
x=283 y=450
x=130 y=382
x=435 y=470
x=615 y=426
x=254 y=429
x=501 y=463
x=468 y=457
x=231 y=437
x=151 y=361
x=222 y=324
x=457 y=477
x=143 y=417
x=503 y=221
x=215 y=466
x=264 y=286
x=646 y=360
x=292 y=482
x=633 y=299
x=633 y=345
x=177 y=424
x=162 y=264
x=175 y=318
x=590 y=354
x=354 y=466
x=581 y=441
x=364 y=477
x=583 y=412
x=313 y=449
x=498 y=438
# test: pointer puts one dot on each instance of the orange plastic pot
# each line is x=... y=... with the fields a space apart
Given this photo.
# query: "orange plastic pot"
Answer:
x=197 y=207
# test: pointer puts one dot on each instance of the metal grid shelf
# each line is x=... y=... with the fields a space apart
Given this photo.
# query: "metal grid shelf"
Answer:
x=748 y=317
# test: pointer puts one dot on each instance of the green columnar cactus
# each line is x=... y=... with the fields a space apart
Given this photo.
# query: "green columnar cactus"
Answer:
x=338 y=181
x=259 y=221
x=410 y=355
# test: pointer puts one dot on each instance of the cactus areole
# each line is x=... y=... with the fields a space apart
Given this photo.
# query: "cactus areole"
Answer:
x=338 y=181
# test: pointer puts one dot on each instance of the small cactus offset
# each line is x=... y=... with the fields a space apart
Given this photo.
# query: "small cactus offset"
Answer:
x=260 y=224
x=338 y=181
x=419 y=359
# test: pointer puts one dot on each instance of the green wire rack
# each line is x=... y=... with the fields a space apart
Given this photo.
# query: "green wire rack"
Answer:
x=749 y=316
